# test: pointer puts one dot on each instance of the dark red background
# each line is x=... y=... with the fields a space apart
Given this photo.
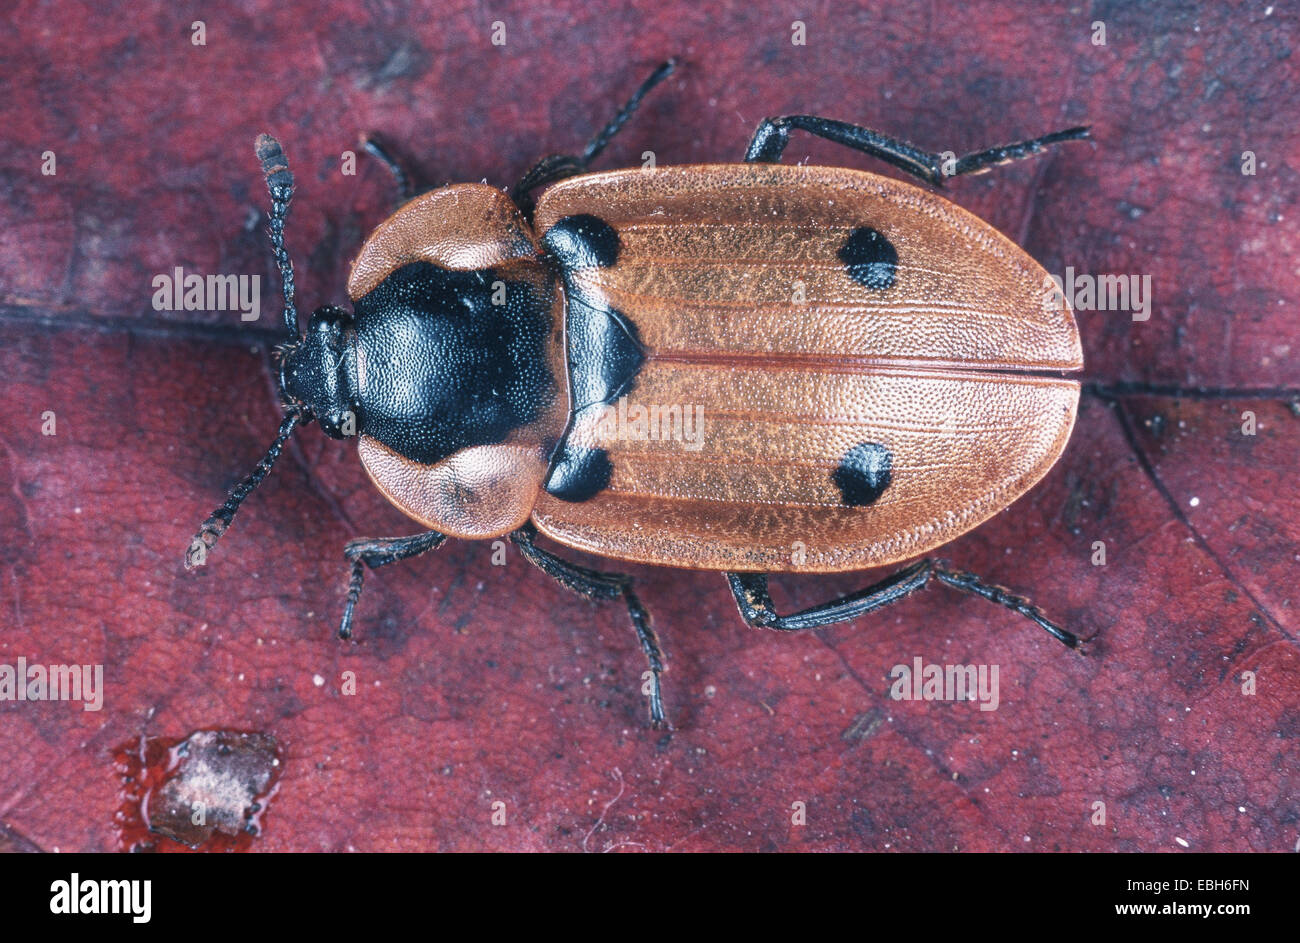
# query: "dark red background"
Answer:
x=480 y=683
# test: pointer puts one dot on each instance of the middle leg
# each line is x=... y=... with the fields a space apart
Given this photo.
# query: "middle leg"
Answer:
x=596 y=585
x=773 y=135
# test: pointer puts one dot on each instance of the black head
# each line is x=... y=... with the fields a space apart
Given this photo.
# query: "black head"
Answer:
x=316 y=371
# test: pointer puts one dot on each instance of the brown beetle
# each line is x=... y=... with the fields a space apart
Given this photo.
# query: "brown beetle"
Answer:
x=750 y=368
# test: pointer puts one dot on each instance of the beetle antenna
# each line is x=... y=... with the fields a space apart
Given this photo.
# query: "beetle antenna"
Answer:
x=279 y=181
x=212 y=529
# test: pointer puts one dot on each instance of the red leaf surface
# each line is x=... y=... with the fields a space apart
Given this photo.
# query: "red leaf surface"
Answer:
x=478 y=684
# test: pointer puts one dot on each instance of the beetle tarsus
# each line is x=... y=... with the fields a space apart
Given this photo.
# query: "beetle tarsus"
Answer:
x=606 y=134
x=970 y=583
x=380 y=153
x=650 y=648
x=980 y=161
x=355 y=581
x=555 y=167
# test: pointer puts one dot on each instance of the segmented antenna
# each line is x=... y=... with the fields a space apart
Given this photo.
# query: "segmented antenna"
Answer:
x=279 y=181
x=210 y=531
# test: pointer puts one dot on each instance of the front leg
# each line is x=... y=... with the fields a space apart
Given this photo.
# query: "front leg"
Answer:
x=376 y=552
x=400 y=178
x=555 y=167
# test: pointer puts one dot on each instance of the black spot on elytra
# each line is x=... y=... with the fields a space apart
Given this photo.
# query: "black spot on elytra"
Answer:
x=872 y=259
x=582 y=241
x=579 y=474
x=602 y=345
x=604 y=349
x=863 y=474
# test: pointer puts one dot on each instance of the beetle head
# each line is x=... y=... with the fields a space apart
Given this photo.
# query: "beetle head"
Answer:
x=313 y=372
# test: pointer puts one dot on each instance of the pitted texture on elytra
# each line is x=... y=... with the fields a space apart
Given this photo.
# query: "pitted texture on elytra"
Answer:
x=747 y=258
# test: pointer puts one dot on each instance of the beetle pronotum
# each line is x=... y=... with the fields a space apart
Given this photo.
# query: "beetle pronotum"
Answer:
x=906 y=389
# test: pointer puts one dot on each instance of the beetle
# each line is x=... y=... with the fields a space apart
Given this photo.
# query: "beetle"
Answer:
x=876 y=368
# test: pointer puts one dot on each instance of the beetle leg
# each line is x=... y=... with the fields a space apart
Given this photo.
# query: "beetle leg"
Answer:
x=381 y=154
x=376 y=552
x=597 y=585
x=750 y=590
x=555 y=167
x=773 y=134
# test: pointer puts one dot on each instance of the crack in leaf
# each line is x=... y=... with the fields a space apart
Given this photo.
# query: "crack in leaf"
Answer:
x=1130 y=436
